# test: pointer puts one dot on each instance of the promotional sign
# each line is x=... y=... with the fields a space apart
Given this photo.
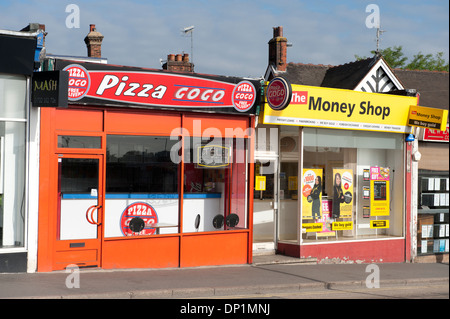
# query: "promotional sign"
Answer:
x=348 y=225
x=49 y=89
x=212 y=156
x=325 y=220
x=312 y=227
x=260 y=183
x=379 y=224
x=137 y=219
x=343 y=109
x=311 y=193
x=342 y=206
x=104 y=84
x=428 y=117
x=431 y=135
x=379 y=191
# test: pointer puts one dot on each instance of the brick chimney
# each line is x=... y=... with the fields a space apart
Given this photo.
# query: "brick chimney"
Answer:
x=178 y=63
x=278 y=50
x=94 y=42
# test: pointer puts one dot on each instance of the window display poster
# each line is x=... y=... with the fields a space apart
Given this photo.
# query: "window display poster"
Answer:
x=379 y=191
x=342 y=193
x=325 y=220
x=312 y=193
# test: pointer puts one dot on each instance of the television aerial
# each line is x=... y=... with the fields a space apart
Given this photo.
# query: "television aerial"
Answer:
x=189 y=31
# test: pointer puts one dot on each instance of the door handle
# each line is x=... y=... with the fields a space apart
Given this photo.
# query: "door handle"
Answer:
x=90 y=214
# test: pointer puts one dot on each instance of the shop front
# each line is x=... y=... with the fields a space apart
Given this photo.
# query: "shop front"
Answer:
x=147 y=169
x=344 y=173
x=19 y=57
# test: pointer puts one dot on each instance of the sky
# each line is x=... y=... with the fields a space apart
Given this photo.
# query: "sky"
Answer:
x=230 y=36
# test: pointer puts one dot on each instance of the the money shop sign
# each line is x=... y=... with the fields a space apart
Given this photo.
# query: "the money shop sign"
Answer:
x=343 y=109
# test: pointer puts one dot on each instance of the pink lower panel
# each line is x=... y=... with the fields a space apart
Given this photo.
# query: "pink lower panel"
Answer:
x=376 y=251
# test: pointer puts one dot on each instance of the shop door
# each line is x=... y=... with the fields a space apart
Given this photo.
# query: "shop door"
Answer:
x=79 y=211
x=265 y=205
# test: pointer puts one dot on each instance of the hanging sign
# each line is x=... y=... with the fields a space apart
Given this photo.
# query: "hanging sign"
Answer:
x=91 y=83
x=428 y=117
x=342 y=109
x=379 y=191
x=49 y=89
x=279 y=93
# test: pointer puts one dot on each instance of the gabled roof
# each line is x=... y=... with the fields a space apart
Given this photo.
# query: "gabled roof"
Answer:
x=349 y=75
x=368 y=75
x=371 y=75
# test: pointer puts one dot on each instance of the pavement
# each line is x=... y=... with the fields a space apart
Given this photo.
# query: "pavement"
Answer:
x=268 y=274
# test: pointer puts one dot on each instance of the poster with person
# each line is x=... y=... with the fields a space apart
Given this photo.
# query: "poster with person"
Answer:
x=312 y=193
x=342 y=206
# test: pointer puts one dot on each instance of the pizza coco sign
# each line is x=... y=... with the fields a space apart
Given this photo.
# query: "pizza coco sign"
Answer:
x=160 y=89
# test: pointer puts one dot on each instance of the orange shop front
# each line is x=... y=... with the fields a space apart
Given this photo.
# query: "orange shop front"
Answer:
x=147 y=169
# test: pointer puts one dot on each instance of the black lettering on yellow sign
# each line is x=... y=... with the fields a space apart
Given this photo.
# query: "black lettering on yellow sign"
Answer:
x=379 y=224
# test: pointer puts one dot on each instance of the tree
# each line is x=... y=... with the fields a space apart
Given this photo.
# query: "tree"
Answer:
x=396 y=59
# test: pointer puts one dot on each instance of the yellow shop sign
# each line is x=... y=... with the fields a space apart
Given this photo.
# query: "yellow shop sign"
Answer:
x=343 y=109
x=428 y=117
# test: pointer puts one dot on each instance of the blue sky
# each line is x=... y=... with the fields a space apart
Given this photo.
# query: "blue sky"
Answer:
x=230 y=36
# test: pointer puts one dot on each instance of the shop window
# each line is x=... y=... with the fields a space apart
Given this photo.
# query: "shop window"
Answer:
x=13 y=123
x=141 y=183
x=352 y=185
x=215 y=184
x=433 y=215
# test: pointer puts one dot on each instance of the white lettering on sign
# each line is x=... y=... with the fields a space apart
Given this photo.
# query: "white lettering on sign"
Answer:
x=204 y=94
x=130 y=89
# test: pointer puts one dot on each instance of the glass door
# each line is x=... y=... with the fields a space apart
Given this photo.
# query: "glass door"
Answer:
x=265 y=204
x=79 y=210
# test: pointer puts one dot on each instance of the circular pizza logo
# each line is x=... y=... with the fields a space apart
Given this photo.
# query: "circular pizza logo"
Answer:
x=137 y=219
x=278 y=94
x=79 y=82
x=244 y=96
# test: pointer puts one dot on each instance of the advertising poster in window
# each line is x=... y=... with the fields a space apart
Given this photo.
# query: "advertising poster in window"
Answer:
x=379 y=191
x=312 y=193
x=342 y=206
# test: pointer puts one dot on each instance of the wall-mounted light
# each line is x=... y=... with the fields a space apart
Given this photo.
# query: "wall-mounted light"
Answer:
x=410 y=138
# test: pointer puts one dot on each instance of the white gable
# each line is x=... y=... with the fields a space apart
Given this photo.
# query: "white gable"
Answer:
x=379 y=79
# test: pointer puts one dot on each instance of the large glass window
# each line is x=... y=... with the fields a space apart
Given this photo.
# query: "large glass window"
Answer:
x=433 y=214
x=141 y=186
x=13 y=90
x=352 y=185
x=215 y=185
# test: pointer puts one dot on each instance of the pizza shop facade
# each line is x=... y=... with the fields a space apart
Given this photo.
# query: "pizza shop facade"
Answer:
x=146 y=169
x=344 y=177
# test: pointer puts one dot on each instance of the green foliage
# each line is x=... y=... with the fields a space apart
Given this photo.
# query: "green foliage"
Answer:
x=396 y=59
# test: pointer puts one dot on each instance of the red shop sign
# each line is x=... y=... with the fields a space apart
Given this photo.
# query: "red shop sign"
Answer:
x=436 y=135
x=279 y=94
x=160 y=89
